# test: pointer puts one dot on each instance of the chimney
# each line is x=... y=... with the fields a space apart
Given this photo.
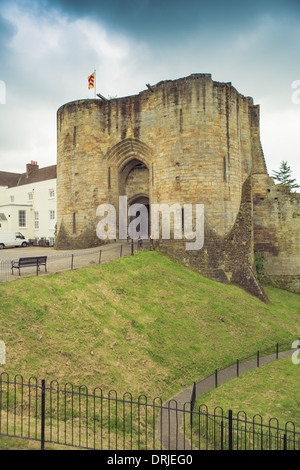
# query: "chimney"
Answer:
x=30 y=167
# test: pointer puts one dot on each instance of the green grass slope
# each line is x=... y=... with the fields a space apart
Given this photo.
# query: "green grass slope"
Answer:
x=271 y=391
x=143 y=324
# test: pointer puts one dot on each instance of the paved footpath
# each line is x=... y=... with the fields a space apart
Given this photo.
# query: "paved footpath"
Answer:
x=63 y=260
x=176 y=412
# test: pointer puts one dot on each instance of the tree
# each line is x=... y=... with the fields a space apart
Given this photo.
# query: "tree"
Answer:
x=283 y=176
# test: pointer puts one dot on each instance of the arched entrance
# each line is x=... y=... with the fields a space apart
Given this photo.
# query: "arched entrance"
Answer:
x=144 y=218
x=130 y=170
x=134 y=184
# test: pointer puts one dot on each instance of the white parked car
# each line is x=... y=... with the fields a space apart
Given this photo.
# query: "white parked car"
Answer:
x=12 y=239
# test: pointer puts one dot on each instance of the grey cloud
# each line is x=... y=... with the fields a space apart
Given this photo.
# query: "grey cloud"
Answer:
x=252 y=44
x=160 y=18
x=7 y=30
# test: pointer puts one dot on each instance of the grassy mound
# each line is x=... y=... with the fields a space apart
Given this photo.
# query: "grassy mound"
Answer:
x=143 y=324
x=270 y=391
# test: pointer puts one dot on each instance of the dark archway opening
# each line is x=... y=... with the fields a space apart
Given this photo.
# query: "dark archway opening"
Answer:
x=134 y=184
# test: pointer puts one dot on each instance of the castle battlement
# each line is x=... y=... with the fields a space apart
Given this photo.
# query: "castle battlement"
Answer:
x=191 y=140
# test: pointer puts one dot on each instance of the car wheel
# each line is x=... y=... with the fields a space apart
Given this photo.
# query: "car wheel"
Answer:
x=1 y=246
x=24 y=244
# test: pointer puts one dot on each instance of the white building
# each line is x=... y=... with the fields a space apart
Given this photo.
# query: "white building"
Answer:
x=28 y=202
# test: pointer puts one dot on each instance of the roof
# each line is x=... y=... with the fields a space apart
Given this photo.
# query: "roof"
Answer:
x=9 y=179
x=20 y=179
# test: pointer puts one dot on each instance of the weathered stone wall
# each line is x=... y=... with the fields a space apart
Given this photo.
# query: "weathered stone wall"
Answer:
x=228 y=259
x=195 y=136
x=187 y=141
x=137 y=183
x=277 y=232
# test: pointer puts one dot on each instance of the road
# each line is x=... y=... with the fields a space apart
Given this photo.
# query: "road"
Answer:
x=62 y=260
x=16 y=253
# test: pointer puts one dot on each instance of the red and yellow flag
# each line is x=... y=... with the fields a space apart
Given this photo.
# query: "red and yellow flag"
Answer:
x=91 y=80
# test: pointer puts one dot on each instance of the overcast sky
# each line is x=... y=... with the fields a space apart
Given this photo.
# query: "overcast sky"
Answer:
x=48 y=49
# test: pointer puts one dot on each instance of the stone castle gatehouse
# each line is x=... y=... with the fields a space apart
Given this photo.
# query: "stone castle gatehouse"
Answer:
x=187 y=141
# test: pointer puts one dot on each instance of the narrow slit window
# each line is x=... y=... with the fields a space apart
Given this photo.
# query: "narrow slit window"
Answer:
x=74 y=222
x=180 y=121
x=74 y=136
x=224 y=169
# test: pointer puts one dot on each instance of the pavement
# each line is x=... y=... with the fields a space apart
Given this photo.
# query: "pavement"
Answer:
x=62 y=260
x=15 y=253
x=176 y=414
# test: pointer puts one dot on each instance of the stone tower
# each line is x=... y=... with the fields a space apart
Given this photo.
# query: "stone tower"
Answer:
x=187 y=141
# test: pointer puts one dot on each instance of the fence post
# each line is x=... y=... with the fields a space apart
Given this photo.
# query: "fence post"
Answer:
x=37 y=267
x=230 y=430
x=121 y=251
x=132 y=247
x=222 y=435
x=216 y=378
x=276 y=350
x=284 y=442
x=100 y=256
x=237 y=368
x=257 y=358
x=72 y=262
x=193 y=399
x=43 y=416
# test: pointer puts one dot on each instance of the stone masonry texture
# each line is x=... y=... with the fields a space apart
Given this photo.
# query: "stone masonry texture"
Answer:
x=187 y=141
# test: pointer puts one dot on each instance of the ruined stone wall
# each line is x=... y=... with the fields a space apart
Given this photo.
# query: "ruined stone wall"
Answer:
x=277 y=232
x=187 y=141
x=228 y=259
x=198 y=138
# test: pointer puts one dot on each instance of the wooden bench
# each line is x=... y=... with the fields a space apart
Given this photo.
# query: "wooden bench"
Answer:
x=29 y=261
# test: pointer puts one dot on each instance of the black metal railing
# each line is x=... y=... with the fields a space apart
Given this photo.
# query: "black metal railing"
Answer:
x=235 y=369
x=241 y=432
x=64 y=261
x=72 y=416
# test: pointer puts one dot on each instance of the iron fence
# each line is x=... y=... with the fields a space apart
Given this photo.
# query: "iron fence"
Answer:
x=63 y=261
x=72 y=416
x=219 y=376
x=5 y=270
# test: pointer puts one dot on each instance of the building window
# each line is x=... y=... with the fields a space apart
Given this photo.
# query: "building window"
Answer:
x=52 y=219
x=30 y=196
x=22 y=218
x=36 y=220
x=12 y=198
x=224 y=169
x=74 y=222
x=51 y=193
